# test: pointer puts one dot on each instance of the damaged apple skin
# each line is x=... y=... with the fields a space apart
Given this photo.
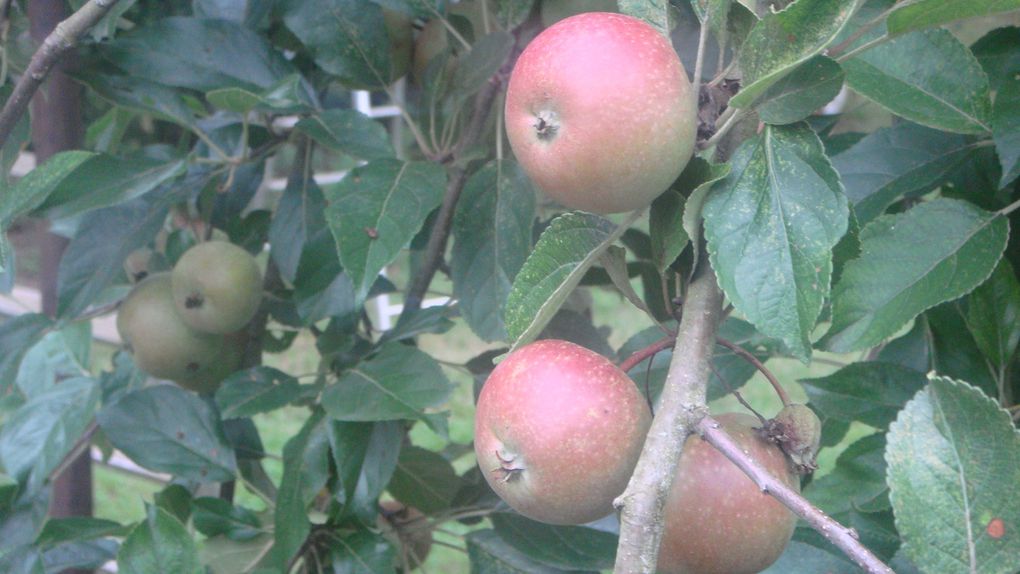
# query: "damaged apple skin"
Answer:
x=558 y=431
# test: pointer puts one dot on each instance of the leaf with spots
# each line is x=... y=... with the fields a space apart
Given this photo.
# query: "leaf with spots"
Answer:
x=375 y=212
x=784 y=40
x=771 y=225
x=168 y=429
x=565 y=251
x=909 y=262
x=954 y=463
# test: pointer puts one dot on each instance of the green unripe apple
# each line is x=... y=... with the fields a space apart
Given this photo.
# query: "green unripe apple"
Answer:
x=164 y=346
x=217 y=287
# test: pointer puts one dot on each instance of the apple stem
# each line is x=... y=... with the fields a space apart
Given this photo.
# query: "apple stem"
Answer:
x=750 y=358
x=844 y=538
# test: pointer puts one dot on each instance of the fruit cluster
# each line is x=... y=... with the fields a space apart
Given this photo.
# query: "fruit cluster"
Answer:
x=183 y=325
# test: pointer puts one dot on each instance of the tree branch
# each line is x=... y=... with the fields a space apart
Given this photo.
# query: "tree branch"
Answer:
x=681 y=406
x=844 y=538
x=64 y=37
x=436 y=248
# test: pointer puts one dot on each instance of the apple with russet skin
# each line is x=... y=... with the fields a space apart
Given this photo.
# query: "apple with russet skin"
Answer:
x=717 y=520
x=217 y=287
x=558 y=431
x=600 y=112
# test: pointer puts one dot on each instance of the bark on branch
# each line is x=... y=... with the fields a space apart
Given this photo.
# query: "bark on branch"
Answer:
x=64 y=37
x=681 y=406
x=844 y=538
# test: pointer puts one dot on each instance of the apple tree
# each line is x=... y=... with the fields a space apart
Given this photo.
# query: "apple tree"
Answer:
x=234 y=209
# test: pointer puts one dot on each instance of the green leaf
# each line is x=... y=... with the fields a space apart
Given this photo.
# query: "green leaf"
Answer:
x=200 y=54
x=908 y=77
x=347 y=38
x=614 y=261
x=654 y=12
x=17 y=336
x=256 y=390
x=869 y=392
x=692 y=216
x=143 y=95
x=781 y=41
x=803 y=558
x=105 y=180
x=1006 y=128
x=304 y=471
x=477 y=67
x=362 y=552
x=771 y=226
x=59 y=355
x=286 y=97
x=857 y=481
x=799 y=94
x=566 y=547
x=167 y=429
x=904 y=160
x=375 y=212
x=350 y=132
x=35 y=439
x=492 y=237
x=215 y=516
x=489 y=554
x=954 y=353
x=95 y=256
x=33 y=189
x=954 y=463
x=222 y=555
x=665 y=227
x=159 y=544
x=424 y=479
x=931 y=13
x=60 y=530
x=399 y=382
x=434 y=320
x=952 y=246
x=365 y=456
x=299 y=219
x=999 y=54
x=16 y=141
x=565 y=251
x=993 y=315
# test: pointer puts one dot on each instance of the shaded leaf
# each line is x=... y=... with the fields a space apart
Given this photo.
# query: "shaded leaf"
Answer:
x=398 y=382
x=489 y=554
x=478 y=66
x=365 y=456
x=931 y=13
x=566 y=547
x=305 y=471
x=665 y=227
x=424 y=479
x=256 y=390
x=167 y=429
x=857 y=481
x=33 y=189
x=215 y=516
x=298 y=220
x=350 y=132
x=907 y=76
x=869 y=392
x=1006 y=128
x=796 y=96
x=954 y=461
x=17 y=336
x=654 y=12
x=771 y=226
x=362 y=552
x=692 y=216
x=66 y=529
x=159 y=544
x=142 y=95
x=492 y=238
x=904 y=160
x=993 y=315
x=953 y=248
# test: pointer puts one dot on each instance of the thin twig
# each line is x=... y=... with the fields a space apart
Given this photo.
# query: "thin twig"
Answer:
x=436 y=248
x=681 y=406
x=637 y=357
x=64 y=37
x=844 y=538
x=700 y=58
x=750 y=358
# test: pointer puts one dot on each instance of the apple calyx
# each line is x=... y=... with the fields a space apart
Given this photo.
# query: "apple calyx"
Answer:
x=547 y=125
x=194 y=301
x=506 y=466
x=798 y=431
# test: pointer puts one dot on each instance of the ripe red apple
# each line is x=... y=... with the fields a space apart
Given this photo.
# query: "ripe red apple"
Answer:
x=600 y=113
x=558 y=430
x=717 y=519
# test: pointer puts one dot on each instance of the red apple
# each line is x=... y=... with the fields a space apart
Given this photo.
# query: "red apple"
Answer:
x=717 y=519
x=558 y=430
x=600 y=113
